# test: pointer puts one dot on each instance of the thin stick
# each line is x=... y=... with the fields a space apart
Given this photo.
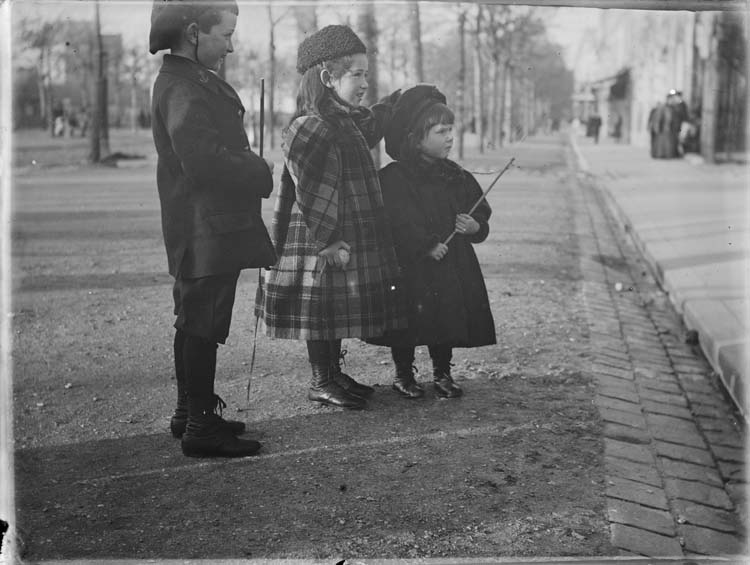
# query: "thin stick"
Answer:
x=260 y=279
x=262 y=112
x=484 y=195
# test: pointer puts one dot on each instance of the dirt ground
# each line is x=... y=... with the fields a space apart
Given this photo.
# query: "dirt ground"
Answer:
x=514 y=468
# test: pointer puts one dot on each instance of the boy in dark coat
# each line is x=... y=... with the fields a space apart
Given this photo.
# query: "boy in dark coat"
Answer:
x=426 y=196
x=210 y=188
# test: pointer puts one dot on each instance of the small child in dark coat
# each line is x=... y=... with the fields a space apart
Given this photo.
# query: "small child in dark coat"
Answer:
x=426 y=198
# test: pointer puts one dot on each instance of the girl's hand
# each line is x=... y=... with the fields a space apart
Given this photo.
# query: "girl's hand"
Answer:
x=333 y=256
x=438 y=252
x=466 y=225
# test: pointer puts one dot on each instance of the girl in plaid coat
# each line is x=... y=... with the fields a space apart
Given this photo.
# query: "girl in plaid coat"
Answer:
x=336 y=271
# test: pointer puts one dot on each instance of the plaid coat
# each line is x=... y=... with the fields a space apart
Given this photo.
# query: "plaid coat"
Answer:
x=330 y=191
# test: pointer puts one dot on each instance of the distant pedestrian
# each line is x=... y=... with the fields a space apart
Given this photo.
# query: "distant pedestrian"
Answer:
x=680 y=119
x=210 y=188
x=336 y=271
x=665 y=124
x=617 y=127
x=653 y=126
x=427 y=196
x=595 y=125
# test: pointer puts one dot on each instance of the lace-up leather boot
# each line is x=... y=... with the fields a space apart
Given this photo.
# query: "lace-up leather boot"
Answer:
x=342 y=379
x=206 y=434
x=444 y=384
x=179 y=419
x=178 y=422
x=405 y=383
x=325 y=390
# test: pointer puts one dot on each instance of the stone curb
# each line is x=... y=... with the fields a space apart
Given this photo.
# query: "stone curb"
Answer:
x=727 y=355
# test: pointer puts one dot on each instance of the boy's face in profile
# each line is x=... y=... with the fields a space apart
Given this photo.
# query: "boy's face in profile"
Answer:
x=437 y=142
x=214 y=45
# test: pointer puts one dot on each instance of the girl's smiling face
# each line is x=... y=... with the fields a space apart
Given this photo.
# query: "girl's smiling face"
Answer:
x=352 y=85
x=438 y=142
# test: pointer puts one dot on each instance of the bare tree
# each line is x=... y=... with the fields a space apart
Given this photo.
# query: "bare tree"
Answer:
x=415 y=37
x=478 y=81
x=368 y=28
x=41 y=37
x=461 y=88
x=99 y=135
x=271 y=88
x=497 y=27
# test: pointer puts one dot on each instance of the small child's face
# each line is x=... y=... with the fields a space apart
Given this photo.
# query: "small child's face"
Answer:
x=351 y=87
x=438 y=142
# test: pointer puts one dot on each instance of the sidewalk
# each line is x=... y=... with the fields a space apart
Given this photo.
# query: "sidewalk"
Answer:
x=690 y=222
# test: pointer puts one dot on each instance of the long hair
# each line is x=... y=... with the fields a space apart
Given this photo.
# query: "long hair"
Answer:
x=314 y=97
x=437 y=114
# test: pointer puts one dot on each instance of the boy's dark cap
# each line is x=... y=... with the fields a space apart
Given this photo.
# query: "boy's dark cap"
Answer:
x=406 y=113
x=327 y=44
x=169 y=17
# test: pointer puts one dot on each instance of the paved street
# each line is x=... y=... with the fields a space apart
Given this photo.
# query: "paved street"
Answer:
x=593 y=428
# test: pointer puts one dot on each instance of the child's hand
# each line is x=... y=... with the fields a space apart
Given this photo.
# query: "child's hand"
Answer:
x=466 y=225
x=334 y=256
x=438 y=252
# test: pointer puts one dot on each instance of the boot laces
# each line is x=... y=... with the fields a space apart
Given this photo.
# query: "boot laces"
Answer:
x=219 y=406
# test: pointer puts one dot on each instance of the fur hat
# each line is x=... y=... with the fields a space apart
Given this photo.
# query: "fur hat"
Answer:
x=411 y=105
x=326 y=44
x=169 y=17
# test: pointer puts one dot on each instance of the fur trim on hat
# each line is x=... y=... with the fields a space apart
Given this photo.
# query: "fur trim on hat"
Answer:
x=410 y=106
x=327 y=44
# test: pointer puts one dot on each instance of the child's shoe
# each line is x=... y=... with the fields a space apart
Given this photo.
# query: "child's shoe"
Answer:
x=405 y=384
x=445 y=387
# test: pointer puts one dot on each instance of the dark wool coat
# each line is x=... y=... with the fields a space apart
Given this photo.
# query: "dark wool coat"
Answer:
x=445 y=301
x=210 y=182
x=330 y=191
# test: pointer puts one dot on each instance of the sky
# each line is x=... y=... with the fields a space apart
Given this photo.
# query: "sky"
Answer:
x=131 y=18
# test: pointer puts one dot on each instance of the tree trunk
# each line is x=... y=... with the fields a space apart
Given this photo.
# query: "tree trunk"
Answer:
x=494 y=99
x=270 y=87
x=460 y=99
x=505 y=126
x=95 y=154
x=417 y=65
x=369 y=32
x=478 y=83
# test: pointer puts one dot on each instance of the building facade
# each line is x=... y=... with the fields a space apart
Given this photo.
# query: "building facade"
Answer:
x=631 y=59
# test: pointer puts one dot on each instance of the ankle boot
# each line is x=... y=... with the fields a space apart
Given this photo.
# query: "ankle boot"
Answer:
x=179 y=418
x=178 y=423
x=206 y=434
x=325 y=390
x=404 y=383
x=345 y=381
x=444 y=384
